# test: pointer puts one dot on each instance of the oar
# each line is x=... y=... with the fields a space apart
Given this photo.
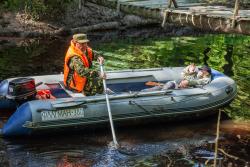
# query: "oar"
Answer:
x=109 y=110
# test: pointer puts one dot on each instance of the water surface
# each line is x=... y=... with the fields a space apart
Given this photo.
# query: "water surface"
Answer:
x=178 y=144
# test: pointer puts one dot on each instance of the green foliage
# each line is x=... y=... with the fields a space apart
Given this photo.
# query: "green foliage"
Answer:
x=48 y=58
x=180 y=51
x=10 y=4
x=38 y=9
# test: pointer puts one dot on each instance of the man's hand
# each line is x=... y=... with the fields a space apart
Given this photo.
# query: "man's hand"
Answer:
x=100 y=60
x=102 y=75
x=183 y=84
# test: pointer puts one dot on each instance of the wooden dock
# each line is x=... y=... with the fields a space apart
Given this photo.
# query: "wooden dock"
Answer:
x=215 y=18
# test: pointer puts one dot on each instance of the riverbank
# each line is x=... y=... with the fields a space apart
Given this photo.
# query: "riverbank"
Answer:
x=87 y=18
x=71 y=18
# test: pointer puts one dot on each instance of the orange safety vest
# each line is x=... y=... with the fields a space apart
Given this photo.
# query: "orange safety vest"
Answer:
x=77 y=83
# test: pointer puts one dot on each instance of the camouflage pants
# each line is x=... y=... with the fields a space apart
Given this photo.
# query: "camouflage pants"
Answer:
x=94 y=85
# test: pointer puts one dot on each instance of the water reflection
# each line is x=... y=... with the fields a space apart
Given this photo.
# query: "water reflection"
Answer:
x=92 y=150
x=226 y=53
x=155 y=145
x=160 y=145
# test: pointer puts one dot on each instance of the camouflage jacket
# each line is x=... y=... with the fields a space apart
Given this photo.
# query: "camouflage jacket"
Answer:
x=187 y=75
x=76 y=64
x=200 y=80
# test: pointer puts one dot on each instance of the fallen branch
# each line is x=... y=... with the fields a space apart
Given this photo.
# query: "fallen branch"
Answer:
x=170 y=161
x=228 y=155
x=66 y=31
x=97 y=27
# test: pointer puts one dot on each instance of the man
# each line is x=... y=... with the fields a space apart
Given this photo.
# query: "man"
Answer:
x=78 y=73
x=189 y=72
x=203 y=77
x=190 y=78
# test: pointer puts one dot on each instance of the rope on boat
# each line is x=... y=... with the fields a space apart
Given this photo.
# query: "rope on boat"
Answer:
x=141 y=107
x=36 y=125
x=163 y=94
x=180 y=101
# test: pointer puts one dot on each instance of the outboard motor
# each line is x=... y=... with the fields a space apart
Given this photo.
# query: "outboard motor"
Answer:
x=21 y=90
x=18 y=90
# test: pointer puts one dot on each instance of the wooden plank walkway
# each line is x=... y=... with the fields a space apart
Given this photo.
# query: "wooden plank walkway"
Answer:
x=216 y=18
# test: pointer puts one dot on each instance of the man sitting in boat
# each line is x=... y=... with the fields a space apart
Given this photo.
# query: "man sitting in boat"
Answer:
x=78 y=73
x=189 y=72
x=203 y=77
x=190 y=78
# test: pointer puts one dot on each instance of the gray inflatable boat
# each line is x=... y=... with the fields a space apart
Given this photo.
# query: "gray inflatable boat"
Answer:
x=72 y=110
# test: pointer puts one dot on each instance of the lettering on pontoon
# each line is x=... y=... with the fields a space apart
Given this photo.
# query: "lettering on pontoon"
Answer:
x=62 y=114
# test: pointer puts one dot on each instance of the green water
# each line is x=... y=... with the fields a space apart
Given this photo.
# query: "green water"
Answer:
x=226 y=53
x=156 y=145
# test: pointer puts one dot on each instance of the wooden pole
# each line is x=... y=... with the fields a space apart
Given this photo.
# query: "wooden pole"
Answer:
x=116 y=145
x=217 y=139
x=236 y=12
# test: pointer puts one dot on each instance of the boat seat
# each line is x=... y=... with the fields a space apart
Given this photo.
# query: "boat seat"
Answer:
x=71 y=93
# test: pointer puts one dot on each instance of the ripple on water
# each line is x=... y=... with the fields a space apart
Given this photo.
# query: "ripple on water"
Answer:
x=93 y=149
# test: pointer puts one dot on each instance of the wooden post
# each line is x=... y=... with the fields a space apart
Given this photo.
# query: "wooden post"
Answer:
x=118 y=6
x=236 y=12
x=166 y=13
x=79 y=4
x=170 y=3
x=175 y=3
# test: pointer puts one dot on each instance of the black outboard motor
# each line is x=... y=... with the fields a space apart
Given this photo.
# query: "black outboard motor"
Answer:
x=21 y=90
x=14 y=92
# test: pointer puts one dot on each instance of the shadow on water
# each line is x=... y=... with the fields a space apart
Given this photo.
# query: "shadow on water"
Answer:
x=91 y=149
x=160 y=144
x=180 y=144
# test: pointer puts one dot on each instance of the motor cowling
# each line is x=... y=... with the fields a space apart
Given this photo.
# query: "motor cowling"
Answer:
x=21 y=89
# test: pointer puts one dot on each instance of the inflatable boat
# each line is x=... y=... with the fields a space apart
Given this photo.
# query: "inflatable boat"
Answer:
x=68 y=110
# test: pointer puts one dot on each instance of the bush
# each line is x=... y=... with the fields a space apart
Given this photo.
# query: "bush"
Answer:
x=38 y=9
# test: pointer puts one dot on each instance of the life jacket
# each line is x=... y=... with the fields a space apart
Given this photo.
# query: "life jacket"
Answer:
x=77 y=82
x=44 y=94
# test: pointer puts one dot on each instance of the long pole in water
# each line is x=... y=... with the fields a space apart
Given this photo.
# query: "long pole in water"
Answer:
x=109 y=110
